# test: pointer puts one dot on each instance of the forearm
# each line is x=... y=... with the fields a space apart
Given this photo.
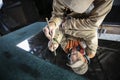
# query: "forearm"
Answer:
x=94 y=19
x=56 y=20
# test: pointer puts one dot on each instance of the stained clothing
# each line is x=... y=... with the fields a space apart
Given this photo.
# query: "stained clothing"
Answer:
x=81 y=25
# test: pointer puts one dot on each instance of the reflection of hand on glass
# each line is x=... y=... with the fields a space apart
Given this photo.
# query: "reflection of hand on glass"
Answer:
x=76 y=55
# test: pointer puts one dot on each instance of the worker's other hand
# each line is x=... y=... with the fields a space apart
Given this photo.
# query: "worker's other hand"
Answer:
x=49 y=30
x=52 y=45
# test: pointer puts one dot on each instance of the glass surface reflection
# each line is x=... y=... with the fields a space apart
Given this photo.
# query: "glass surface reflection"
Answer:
x=38 y=46
x=24 y=45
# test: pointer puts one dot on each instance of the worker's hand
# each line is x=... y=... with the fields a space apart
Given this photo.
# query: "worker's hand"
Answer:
x=52 y=45
x=49 y=30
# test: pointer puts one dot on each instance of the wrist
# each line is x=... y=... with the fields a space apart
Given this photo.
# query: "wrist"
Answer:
x=52 y=23
x=57 y=21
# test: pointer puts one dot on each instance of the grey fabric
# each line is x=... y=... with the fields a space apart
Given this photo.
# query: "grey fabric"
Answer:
x=79 y=6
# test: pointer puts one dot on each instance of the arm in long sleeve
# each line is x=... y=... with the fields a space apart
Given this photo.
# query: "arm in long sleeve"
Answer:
x=96 y=17
x=58 y=12
x=86 y=28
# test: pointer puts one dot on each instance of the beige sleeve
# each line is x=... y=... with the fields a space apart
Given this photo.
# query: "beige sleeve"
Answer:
x=58 y=12
x=96 y=17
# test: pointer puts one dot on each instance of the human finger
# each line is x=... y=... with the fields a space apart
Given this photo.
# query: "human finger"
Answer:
x=47 y=33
